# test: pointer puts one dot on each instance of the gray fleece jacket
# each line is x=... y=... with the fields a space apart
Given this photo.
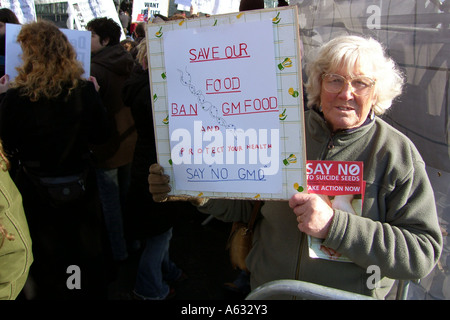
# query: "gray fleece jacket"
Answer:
x=398 y=231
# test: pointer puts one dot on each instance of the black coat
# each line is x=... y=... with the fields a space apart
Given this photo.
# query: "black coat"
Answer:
x=111 y=66
x=143 y=217
x=53 y=135
x=52 y=138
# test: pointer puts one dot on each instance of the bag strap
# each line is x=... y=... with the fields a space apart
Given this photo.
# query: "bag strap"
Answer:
x=255 y=214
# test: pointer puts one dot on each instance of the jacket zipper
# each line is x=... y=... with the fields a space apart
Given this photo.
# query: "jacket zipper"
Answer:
x=328 y=147
x=300 y=251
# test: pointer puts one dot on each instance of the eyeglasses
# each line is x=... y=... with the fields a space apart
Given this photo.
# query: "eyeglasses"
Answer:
x=334 y=83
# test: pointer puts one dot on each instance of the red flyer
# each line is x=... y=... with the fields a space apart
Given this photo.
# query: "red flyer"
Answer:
x=341 y=185
x=334 y=177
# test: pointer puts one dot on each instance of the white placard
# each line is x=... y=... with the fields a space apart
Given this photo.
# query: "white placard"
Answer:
x=211 y=77
x=223 y=108
x=143 y=10
x=83 y=11
x=210 y=6
x=81 y=41
x=183 y=2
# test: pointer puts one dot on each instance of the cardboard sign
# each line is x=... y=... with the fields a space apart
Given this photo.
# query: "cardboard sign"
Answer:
x=143 y=10
x=223 y=120
x=23 y=9
x=227 y=104
x=82 y=11
x=209 y=6
x=80 y=40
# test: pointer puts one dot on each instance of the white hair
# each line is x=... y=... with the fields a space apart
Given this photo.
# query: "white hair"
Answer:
x=367 y=55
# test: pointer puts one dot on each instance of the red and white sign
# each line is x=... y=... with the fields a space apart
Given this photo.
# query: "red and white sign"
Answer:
x=335 y=177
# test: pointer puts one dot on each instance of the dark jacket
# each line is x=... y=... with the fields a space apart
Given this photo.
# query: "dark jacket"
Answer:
x=111 y=66
x=144 y=217
x=53 y=136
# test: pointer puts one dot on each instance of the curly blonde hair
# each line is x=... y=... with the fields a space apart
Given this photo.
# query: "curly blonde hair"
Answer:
x=141 y=55
x=49 y=62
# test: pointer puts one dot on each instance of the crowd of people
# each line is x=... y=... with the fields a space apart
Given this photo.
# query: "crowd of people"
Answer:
x=75 y=163
x=76 y=190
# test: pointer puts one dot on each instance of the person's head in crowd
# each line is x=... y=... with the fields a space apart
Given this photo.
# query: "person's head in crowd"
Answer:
x=128 y=44
x=50 y=62
x=141 y=55
x=139 y=32
x=124 y=6
x=352 y=73
x=7 y=16
x=246 y=5
x=105 y=32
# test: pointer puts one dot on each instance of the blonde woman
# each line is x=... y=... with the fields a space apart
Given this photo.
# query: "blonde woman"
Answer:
x=49 y=118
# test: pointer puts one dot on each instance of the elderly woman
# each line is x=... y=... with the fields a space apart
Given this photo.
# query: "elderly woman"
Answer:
x=350 y=82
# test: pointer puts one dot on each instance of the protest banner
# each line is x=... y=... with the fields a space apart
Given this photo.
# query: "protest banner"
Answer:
x=81 y=41
x=143 y=10
x=209 y=6
x=227 y=104
x=82 y=11
x=334 y=177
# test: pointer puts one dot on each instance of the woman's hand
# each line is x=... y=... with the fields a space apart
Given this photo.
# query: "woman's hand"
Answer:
x=94 y=81
x=159 y=187
x=4 y=83
x=158 y=183
x=314 y=214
